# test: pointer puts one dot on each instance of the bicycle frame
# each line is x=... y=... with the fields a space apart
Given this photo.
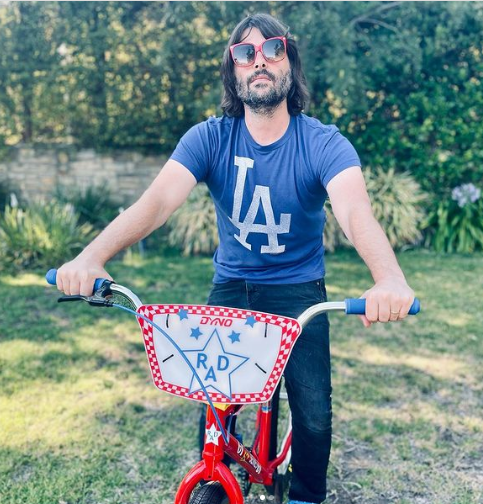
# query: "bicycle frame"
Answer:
x=255 y=461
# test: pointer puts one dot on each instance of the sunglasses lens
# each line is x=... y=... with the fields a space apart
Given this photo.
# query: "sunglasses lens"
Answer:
x=274 y=49
x=244 y=54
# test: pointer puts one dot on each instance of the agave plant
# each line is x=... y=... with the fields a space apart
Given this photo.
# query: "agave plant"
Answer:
x=97 y=205
x=397 y=204
x=41 y=235
x=193 y=227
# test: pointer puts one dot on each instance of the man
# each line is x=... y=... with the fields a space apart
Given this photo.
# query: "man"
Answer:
x=269 y=169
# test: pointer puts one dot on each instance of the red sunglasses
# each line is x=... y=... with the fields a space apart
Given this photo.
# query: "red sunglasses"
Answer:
x=273 y=50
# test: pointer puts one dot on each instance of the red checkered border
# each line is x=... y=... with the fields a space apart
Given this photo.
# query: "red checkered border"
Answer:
x=290 y=331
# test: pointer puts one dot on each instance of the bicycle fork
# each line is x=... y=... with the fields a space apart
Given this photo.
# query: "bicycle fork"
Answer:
x=212 y=468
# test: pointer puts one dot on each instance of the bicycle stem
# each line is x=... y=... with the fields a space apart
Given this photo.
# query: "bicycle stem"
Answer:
x=318 y=309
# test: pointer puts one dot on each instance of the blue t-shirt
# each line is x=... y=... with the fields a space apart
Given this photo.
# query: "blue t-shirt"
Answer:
x=269 y=199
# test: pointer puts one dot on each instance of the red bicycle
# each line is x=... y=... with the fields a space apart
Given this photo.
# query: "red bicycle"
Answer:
x=229 y=359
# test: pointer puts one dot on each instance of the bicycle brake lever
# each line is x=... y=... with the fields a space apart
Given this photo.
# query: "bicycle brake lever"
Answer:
x=92 y=300
x=65 y=299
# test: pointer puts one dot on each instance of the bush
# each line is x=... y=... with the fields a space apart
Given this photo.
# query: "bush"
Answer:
x=193 y=227
x=9 y=195
x=397 y=205
x=41 y=235
x=95 y=205
x=4 y=194
x=456 y=223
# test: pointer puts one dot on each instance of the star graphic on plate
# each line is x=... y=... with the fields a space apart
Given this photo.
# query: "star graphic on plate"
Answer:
x=183 y=314
x=214 y=366
x=212 y=435
x=196 y=333
x=234 y=336
x=251 y=321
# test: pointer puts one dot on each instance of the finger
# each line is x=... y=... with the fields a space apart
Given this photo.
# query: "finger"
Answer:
x=386 y=311
x=365 y=321
x=405 y=307
x=60 y=283
x=74 y=288
x=86 y=287
x=66 y=286
x=372 y=310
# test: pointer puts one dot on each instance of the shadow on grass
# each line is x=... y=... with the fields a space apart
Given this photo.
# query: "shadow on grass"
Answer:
x=136 y=453
x=32 y=313
x=53 y=367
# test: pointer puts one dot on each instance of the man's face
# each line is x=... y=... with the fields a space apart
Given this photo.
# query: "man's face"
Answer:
x=263 y=85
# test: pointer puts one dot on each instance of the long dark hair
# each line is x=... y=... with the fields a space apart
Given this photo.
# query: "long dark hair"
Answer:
x=269 y=27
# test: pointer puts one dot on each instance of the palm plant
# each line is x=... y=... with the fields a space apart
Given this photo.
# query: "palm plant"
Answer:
x=41 y=235
x=193 y=227
x=397 y=204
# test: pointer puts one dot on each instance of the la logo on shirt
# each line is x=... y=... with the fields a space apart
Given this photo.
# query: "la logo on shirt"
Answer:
x=261 y=196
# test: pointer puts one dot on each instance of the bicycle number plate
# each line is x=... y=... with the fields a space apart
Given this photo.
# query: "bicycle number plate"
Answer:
x=238 y=355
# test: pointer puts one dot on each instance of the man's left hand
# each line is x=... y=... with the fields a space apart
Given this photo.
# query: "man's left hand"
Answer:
x=388 y=301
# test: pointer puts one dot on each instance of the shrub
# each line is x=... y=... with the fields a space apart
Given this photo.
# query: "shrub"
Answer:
x=4 y=194
x=95 y=204
x=193 y=227
x=397 y=205
x=456 y=223
x=41 y=235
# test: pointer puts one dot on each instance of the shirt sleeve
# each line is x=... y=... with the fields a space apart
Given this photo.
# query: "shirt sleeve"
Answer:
x=194 y=151
x=337 y=155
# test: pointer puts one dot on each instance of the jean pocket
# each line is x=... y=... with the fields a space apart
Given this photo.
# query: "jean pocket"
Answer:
x=311 y=291
x=322 y=290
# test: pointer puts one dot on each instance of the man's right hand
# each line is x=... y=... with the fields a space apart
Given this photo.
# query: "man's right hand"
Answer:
x=78 y=276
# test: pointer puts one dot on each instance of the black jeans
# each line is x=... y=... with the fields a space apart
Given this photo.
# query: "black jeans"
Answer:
x=307 y=375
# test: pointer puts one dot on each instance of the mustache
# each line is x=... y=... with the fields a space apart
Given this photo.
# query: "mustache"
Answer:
x=257 y=74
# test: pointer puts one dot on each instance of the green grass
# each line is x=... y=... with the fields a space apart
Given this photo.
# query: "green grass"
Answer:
x=80 y=421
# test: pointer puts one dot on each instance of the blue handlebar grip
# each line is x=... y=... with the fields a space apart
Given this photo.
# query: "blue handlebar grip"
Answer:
x=358 y=307
x=51 y=278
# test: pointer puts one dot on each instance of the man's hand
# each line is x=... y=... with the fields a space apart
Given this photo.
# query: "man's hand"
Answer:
x=78 y=276
x=391 y=298
x=388 y=301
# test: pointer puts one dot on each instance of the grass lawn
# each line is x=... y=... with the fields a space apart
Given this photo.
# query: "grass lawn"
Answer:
x=80 y=421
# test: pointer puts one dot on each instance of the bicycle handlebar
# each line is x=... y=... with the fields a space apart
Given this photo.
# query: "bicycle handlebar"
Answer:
x=358 y=307
x=353 y=306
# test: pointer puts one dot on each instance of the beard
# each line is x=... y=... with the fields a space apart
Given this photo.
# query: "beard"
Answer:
x=261 y=100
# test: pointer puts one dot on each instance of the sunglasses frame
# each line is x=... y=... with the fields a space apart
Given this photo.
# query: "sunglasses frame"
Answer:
x=258 y=48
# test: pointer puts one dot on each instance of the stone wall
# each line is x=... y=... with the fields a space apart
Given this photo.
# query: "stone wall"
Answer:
x=35 y=172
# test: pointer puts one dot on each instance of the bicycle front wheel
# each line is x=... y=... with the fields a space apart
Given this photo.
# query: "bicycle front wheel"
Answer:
x=210 y=493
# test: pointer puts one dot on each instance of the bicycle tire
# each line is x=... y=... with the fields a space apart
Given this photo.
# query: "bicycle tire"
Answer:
x=210 y=493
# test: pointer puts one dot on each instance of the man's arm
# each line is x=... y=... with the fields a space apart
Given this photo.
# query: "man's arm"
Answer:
x=352 y=208
x=166 y=193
